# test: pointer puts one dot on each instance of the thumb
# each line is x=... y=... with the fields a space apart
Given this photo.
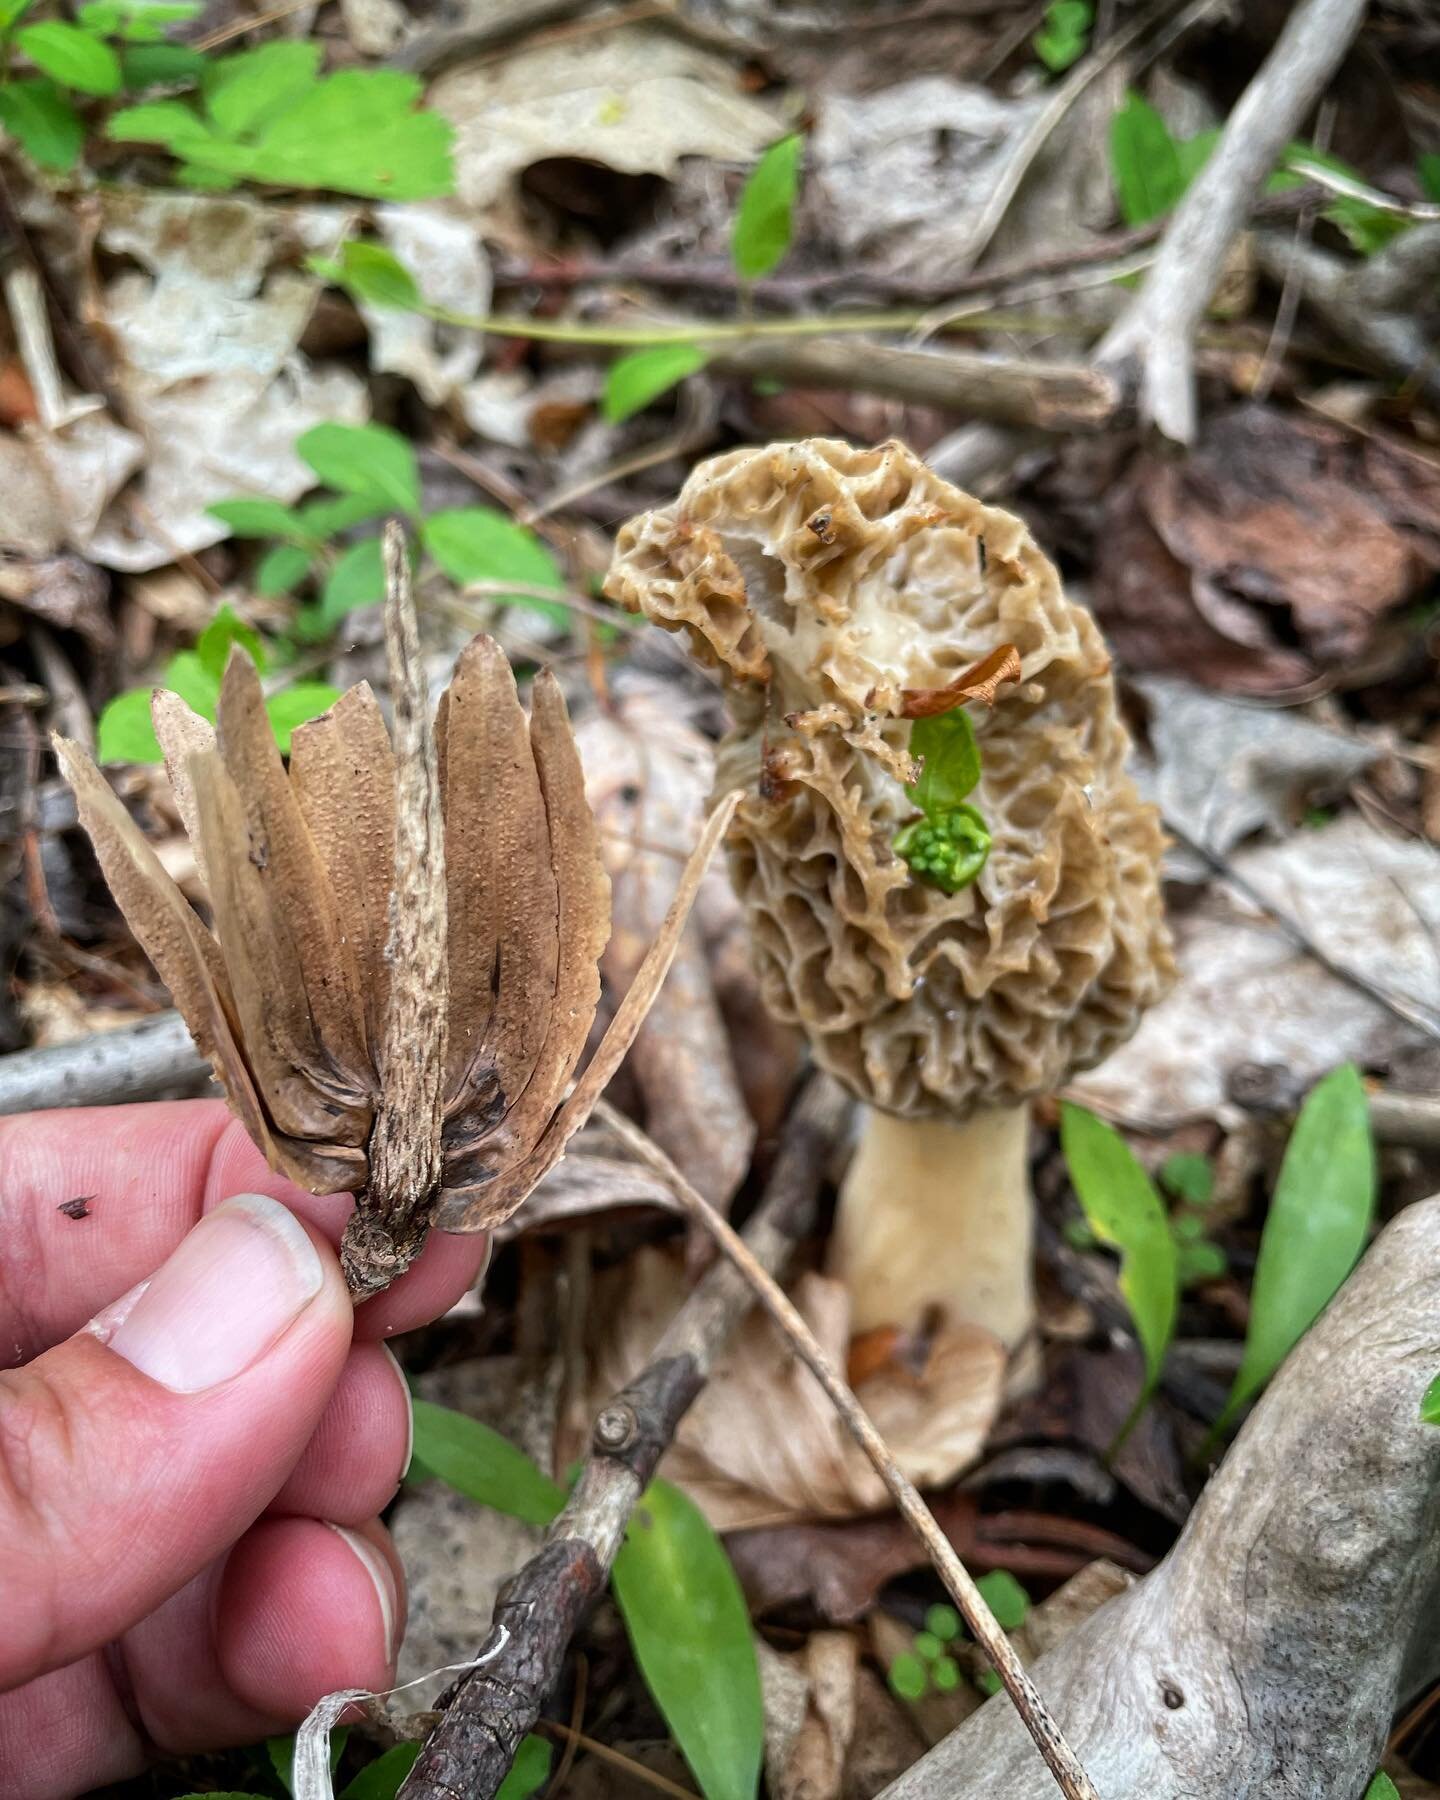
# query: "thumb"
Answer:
x=137 y=1452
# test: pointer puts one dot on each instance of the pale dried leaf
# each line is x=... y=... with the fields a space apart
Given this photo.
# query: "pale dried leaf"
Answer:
x=342 y=768
x=487 y=1204
x=981 y=681
x=182 y=732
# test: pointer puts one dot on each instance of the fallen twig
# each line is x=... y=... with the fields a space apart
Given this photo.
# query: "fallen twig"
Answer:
x=1061 y=1761
x=133 y=1062
x=537 y=1612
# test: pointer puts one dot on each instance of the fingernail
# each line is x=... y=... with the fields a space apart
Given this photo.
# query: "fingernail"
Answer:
x=378 y=1569
x=241 y=1277
x=394 y=1362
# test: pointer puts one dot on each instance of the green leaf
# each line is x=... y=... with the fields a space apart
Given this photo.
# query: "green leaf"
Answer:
x=1367 y=228
x=136 y=21
x=1193 y=153
x=357 y=579
x=225 y=629
x=1430 y=1405
x=380 y=1780
x=767 y=202
x=360 y=132
x=477 y=543
x=1124 y=1211
x=690 y=1631
x=948 y=849
x=376 y=275
x=943 y=1622
x=242 y=92
x=338 y=512
x=1382 y=1788
x=157 y=65
x=1188 y=1177
x=1199 y=1262
x=1061 y=40
x=71 y=56
x=167 y=122
x=1144 y=162
x=1427 y=167
x=188 y=677
x=43 y=122
x=1006 y=1599
x=482 y=1465
x=927 y=1645
x=293 y=706
x=633 y=381
x=258 y=519
x=947 y=746
x=908 y=1677
x=368 y=460
x=124 y=733
x=529 y=1769
x=1315 y=1230
x=281 y=570
x=945 y=1674
x=11 y=10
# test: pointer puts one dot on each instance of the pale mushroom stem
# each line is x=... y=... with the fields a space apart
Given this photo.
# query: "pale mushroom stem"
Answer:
x=935 y=1222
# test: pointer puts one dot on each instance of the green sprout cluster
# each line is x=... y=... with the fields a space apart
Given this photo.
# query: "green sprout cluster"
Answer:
x=929 y=1667
x=949 y=850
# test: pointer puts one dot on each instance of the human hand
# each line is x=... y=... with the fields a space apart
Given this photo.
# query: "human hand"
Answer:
x=197 y=1431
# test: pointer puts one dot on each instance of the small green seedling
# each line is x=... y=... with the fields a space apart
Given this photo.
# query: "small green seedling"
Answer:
x=1064 y=34
x=949 y=844
x=929 y=1666
x=1430 y=1405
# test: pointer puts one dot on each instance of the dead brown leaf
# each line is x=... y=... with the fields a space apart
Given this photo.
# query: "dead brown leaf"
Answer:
x=979 y=682
x=810 y=1715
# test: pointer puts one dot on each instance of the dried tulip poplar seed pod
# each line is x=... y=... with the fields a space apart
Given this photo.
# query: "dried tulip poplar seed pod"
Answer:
x=404 y=965
x=835 y=590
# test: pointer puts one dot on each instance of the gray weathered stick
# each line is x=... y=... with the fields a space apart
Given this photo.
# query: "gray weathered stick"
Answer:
x=133 y=1062
x=1265 y=1656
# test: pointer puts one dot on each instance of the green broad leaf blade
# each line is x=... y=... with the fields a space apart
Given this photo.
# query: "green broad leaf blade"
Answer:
x=362 y=131
x=124 y=733
x=167 y=122
x=1006 y=1599
x=690 y=1630
x=1318 y=1222
x=1188 y=1177
x=1193 y=153
x=947 y=747
x=188 y=677
x=1427 y=167
x=281 y=570
x=296 y=705
x=1144 y=162
x=1125 y=1212
x=529 y=1770
x=377 y=276
x=338 y=512
x=225 y=629
x=43 y=122
x=243 y=92
x=380 y=1780
x=633 y=381
x=74 y=58
x=1382 y=1788
x=1430 y=1405
x=357 y=579
x=764 y=219
x=1062 y=38
x=477 y=543
x=368 y=460
x=136 y=21
x=11 y=10
x=159 y=65
x=482 y=1465
x=259 y=519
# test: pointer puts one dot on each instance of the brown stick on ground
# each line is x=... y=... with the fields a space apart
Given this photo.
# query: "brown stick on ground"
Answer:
x=538 y=1610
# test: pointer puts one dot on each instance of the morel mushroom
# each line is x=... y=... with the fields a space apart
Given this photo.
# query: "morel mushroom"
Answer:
x=404 y=965
x=842 y=594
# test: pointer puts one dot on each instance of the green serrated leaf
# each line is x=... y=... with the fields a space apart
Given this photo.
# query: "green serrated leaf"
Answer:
x=377 y=276
x=633 y=381
x=764 y=219
x=1187 y=1176
x=1430 y=1405
x=188 y=677
x=1144 y=162
x=1316 y=1227
x=296 y=705
x=281 y=570
x=1124 y=1210
x=224 y=630
x=124 y=733
x=1006 y=1599
x=951 y=756
x=529 y=1770
x=361 y=132
x=357 y=579
x=259 y=519
x=159 y=65
x=243 y=92
x=477 y=543
x=380 y=1780
x=482 y=1465
x=43 y=122
x=167 y=122
x=74 y=58
x=690 y=1631
x=366 y=460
